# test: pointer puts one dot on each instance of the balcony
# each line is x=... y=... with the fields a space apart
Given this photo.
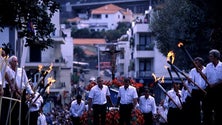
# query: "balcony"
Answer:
x=145 y=47
x=141 y=28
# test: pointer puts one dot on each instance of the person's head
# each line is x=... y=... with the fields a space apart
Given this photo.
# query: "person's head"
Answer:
x=199 y=61
x=214 y=55
x=78 y=98
x=99 y=81
x=126 y=82
x=146 y=93
x=176 y=86
x=13 y=61
x=3 y=54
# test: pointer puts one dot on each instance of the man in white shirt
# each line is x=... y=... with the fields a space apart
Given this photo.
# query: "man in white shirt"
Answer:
x=193 y=102
x=147 y=106
x=174 y=104
x=19 y=81
x=127 y=100
x=99 y=96
x=34 y=107
x=212 y=105
x=76 y=110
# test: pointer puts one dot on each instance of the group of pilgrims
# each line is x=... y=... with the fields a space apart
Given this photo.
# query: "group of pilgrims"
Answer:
x=20 y=102
x=195 y=102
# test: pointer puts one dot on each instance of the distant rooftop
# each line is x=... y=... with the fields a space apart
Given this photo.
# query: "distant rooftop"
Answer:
x=87 y=41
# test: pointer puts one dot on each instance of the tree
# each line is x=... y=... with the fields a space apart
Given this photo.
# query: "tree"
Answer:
x=32 y=19
x=181 y=21
x=79 y=53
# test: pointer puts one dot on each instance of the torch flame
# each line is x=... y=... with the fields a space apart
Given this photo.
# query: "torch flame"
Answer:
x=162 y=79
x=180 y=44
x=50 y=67
x=171 y=56
x=155 y=78
x=50 y=81
x=40 y=67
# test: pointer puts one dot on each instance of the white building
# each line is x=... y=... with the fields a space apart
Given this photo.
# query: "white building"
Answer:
x=105 y=18
x=141 y=56
x=60 y=56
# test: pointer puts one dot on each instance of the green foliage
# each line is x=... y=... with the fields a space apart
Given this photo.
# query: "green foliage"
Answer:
x=79 y=53
x=181 y=21
x=32 y=19
x=110 y=35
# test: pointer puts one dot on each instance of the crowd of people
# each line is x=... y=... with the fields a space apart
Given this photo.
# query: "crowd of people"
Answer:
x=195 y=103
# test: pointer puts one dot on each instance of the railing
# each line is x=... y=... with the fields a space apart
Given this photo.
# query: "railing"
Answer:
x=145 y=47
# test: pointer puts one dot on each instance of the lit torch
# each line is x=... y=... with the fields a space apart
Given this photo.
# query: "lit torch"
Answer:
x=156 y=80
x=46 y=88
x=180 y=45
x=43 y=75
x=170 y=60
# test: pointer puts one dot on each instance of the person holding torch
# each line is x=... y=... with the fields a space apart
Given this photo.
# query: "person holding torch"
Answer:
x=212 y=105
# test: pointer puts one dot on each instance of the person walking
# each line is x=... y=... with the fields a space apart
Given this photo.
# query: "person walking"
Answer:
x=212 y=105
x=99 y=96
x=127 y=101
x=147 y=106
x=193 y=102
x=76 y=110
x=174 y=104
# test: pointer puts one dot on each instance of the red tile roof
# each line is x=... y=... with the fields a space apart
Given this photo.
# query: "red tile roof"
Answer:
x=76 y=19
x=85 y=41
x=107 y=9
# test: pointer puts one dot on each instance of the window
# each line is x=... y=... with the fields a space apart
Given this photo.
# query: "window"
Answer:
x=122 y=54
x=145 y=42
x=106 y=16
x=96 y=16
x=145 y=65
x=35 y=54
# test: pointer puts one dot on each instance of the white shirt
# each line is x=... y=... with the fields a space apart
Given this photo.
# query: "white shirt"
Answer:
x=163 y=114
x=127 y=95
x=196 y=77
x=41 y=119
x=147 y=105
x=99 y=95
x=38 y=102
x=21 y=77
x=169 y=103
x=76 y=109
x=6 y=69
x=213 y=74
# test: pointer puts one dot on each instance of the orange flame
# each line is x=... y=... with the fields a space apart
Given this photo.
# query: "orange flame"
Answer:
x=180 y=44
x=50 y=81
x=162 y=79
x=155 y=78
x=50 y=67
x=171 y=56
x=40 y=67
